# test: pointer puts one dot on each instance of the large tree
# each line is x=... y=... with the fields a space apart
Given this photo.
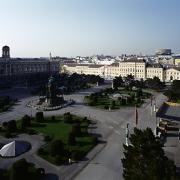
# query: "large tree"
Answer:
x=154 y=83
x=118 y=82
x=174 y=92
x=145 y=159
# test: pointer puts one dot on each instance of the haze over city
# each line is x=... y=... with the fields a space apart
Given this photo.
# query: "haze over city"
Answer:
x=77 y=27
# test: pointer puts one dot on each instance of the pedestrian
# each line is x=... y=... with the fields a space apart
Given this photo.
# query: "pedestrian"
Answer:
x=70 y=161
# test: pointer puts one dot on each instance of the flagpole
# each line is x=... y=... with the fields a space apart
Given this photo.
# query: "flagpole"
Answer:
x=136 y=116
x=127 y=134
x=151 y=105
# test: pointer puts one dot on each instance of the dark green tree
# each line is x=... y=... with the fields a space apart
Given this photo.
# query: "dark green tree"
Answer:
x=154 y=83
x=144 y=158
x=19 y=170
x=76 y=129
x=25 y=122
x=68 y=117
x=122 y=102
x=139 y=93
x=39 y=117
x=71 y=139
x=11 y=126
x=118 y=82
x=113 y=103
x=56 y=148
x=173 y=93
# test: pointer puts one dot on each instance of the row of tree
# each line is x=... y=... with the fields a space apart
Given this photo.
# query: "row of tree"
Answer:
x=5 y=103
x=129 y=82
x=23 y=124
x=173 y=92
x=70 y=83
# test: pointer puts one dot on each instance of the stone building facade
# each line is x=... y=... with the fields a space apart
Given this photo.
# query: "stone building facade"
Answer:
x=20 y=66
x=138 y=68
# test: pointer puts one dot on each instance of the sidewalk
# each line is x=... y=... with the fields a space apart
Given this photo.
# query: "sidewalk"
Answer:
x=172 y=147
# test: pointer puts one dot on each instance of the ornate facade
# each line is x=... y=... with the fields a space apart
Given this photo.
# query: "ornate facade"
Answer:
x=18 y=66
x=138 y=68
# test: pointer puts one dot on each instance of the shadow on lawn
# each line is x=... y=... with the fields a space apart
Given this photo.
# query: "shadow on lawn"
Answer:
x=38 y=125
x=52 y=121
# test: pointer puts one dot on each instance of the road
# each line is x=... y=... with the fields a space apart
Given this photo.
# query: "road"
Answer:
x=111 y=125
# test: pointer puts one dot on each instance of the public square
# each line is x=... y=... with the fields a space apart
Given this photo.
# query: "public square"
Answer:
x=104 y=161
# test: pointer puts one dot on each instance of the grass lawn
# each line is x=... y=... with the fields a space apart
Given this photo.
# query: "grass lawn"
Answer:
x=59 y=130
x=104 y=100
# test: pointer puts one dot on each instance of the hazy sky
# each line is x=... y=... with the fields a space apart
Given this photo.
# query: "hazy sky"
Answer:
x=33 y=28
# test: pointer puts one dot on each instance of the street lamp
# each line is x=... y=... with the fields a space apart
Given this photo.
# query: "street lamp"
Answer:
x=127 y=134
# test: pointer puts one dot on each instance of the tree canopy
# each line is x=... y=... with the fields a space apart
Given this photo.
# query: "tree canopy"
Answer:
x=154 y=83
x=174 y=92
x=145 y=158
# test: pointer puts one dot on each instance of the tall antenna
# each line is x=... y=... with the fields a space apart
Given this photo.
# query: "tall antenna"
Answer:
x=50 y=56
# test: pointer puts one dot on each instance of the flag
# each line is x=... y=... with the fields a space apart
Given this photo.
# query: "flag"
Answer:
x=136 y=115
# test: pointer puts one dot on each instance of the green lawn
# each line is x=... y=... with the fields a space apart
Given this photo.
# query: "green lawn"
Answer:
x=104 y=101
x=59 y=129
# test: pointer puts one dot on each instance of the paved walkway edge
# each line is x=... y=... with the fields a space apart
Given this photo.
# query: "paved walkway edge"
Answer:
x=91 y=155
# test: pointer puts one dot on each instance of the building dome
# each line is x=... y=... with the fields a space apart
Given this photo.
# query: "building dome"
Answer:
x=6 y=52
x=5 y=48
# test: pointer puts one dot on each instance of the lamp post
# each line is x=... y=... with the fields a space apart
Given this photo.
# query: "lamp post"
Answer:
x=127 y=134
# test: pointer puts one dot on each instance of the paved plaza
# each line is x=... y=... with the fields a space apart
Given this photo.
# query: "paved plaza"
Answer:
x=103 y=162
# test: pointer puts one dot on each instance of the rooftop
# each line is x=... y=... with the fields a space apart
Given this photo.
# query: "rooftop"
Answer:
x=134 y=60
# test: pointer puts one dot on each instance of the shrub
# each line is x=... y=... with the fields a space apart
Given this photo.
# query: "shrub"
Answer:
x=123 y=102
x=94 y=140
x=138 y=100
x=25 y=122
x=139 y=92
x=76 y=129
x=77 y=155
x=58 y=159
x=68 y=117
x=56 y=147
x=19 y=170
x=106 y=107
x=53 y=118
x=11 y=126
x=31 y=131
x=5 y=124
x=7 y=134
x=41 y=151
x=39 y=173
x=39 y=117
x=85 y=119
x=71 y=139
x=48 y=138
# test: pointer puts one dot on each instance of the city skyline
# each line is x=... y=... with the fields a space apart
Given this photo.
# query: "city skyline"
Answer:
x=64 y=28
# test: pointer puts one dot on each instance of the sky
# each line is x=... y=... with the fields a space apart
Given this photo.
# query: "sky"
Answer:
x=34 y=28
